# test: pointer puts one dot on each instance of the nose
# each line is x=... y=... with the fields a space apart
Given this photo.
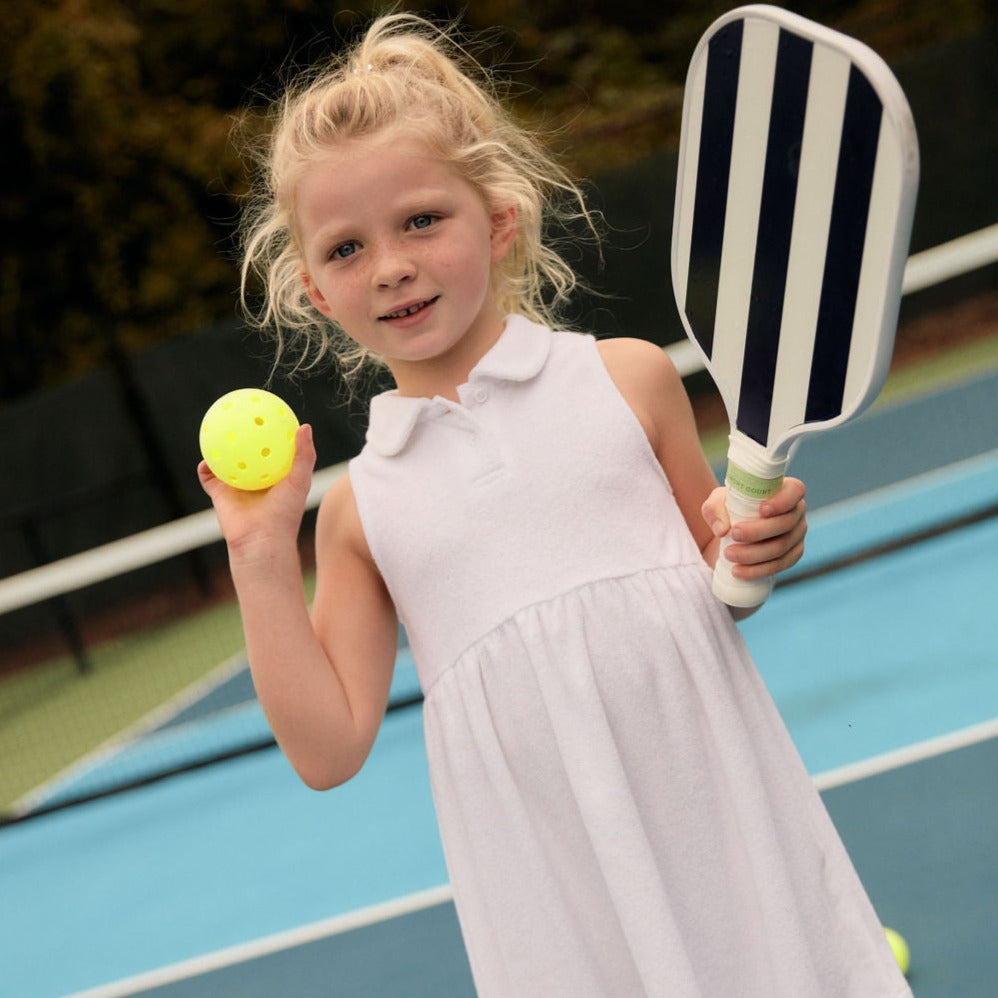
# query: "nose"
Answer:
x=394 y=267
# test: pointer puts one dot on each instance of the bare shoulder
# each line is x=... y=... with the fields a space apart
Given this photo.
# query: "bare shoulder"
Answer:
x=639 y=369
x=646 y=378
x=626 y=353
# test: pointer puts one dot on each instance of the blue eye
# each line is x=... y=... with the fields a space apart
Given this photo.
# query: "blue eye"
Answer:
x=422 y=221
x=343 y=251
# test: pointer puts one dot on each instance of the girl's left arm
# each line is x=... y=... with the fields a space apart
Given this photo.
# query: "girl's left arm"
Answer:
x=651 y=386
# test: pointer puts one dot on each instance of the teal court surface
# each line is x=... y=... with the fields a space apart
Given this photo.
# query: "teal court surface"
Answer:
x=879 y=650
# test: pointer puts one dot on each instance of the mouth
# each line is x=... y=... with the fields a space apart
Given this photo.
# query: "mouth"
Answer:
x=407 y=310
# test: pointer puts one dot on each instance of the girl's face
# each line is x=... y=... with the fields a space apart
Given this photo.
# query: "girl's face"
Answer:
x=398 y=249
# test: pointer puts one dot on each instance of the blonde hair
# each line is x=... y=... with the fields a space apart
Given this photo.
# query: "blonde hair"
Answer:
x=404 y=71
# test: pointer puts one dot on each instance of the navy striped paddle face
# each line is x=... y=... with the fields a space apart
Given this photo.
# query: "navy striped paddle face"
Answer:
x=795 y=193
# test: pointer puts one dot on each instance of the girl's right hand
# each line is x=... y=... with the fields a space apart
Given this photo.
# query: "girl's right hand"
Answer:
x=252 y=522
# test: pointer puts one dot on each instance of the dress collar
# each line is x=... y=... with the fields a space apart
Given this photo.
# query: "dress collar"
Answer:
x=518 y=355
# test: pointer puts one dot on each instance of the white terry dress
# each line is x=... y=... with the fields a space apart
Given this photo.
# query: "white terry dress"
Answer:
x=622 y=810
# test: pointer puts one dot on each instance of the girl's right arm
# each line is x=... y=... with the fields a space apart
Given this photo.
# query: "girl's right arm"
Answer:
x=323 y=680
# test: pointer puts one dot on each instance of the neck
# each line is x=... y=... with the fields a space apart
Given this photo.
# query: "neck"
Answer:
x=441 y=376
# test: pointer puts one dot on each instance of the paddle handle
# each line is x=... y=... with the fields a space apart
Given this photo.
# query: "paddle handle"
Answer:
x=751 y=478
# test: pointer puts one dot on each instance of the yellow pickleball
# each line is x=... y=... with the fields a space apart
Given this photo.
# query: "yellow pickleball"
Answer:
x=248 y=438
x=900 y=947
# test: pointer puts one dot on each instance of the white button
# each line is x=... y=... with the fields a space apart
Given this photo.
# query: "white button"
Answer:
x=481 y=395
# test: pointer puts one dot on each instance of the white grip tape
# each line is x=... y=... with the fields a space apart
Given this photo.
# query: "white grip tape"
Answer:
x=747 y=489
x=739 y=592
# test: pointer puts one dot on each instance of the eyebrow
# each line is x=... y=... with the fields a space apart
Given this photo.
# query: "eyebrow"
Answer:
x=420 y=197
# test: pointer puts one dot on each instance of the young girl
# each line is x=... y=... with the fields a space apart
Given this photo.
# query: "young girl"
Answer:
x=621 y=808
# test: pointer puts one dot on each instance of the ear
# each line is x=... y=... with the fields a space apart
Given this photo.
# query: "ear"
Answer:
x=315 y=296
x=504 y=231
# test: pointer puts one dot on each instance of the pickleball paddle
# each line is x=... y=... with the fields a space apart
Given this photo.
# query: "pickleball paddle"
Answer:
x=798 y=170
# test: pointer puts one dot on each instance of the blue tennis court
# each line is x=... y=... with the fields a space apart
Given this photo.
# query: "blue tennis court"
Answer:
x=236 y=880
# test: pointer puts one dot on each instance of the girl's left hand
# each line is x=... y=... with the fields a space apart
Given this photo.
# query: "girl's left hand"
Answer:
x=770 y=544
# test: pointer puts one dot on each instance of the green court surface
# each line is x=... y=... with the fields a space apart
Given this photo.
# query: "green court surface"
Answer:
x=236 y=880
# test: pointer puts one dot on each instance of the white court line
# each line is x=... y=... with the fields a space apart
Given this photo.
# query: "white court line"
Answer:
x=434 y=896
x=359 y=919
x=898 y=758
x=119 y=741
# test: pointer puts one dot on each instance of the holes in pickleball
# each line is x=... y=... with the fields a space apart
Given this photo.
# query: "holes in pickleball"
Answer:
x=258 y=420
x=265 y=452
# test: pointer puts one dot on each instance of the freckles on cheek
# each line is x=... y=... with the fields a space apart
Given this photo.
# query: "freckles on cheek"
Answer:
x=339 y=295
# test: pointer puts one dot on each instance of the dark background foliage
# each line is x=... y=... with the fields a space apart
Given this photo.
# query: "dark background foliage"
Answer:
x=121 y=182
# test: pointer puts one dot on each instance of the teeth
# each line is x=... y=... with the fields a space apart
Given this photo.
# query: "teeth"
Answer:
x=406 y=311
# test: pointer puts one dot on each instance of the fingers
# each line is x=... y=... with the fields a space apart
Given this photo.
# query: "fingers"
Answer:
x=715 y=512
x=785 y=501
x=207 y=479
x=766 y=527
x=778 y=515
x=304 y=460
x=263 y=515
x=301 y=466
x=770 y=556
x=769 y=543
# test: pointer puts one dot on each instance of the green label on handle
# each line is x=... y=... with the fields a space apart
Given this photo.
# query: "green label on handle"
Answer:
x=751 y=485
